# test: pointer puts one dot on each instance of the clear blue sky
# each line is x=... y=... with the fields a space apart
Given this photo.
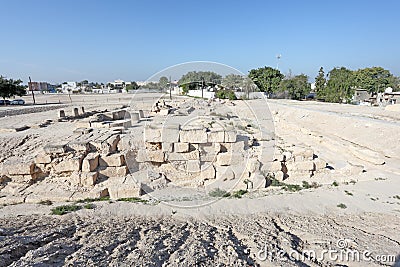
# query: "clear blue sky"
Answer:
x=59 y=40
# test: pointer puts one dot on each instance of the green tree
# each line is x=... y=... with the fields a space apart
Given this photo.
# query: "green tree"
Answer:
x=340 y=85
x=267 y=79
x=163 y=82
x=233 y=81
x=297 y=87
x=194 y=77
x=320 y=82
x=10 y=87
x=132 y=86
x=374 y=80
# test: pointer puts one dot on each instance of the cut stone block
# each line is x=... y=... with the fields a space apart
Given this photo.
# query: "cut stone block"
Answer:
x=75 y=112
x=209 y=151
x=193 y=166
x=79 y=146
x=319 y=164
x=43 y=159
x=253 y=165
x=167 y=147
x=90 y=162
x=115 y=160
x=69 y=165
x=135 y=117
x=216 y=136
x=279 y=175
x=183 y=156
x=207 y=172
x=152 y=134
x=230 y=136
x=225 y=159
x=195 y=135
x=113 y=171
x=83 y=110
x=164 y=112
x=144 y=155
x=124 y=191
x=61 y=114
x=301 y=166
x=224 y=173
x=121 y=123
x=89 y=179
x=181 y=147
x=141 y=114
x=59 y=148
x=170 y=133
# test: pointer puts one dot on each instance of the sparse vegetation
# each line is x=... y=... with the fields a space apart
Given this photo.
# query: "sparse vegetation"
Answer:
x=380 y=179
x=348 y=193
x=132 y=199
x=217 y=192
x=306 y=185
x=342 y=206
x=88 y=200
x=293 y=187
x=89 y=206
x=61 y=210
x=397 y=197
x=239 y=193
x=374 y=199
x=335 y=183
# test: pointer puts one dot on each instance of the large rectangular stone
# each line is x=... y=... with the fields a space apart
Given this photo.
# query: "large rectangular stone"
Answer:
x=209 y=151
x=181 y=147
x=59 y=148
x=89 y=179
x=195 y=135
x=207 y=171
x=113 y=171
x=43 y=159
x=225 y=159
x=144 y=155
x=301 y=166
x=152 y=134
x=216 y=136
x=124 y=191
x=90 y=162
x=78 y=146
x=115 y=160
x=183 y=156
x=170 y=133
x=193 y=166
x=230 y=136
x=69 y=164
x=224 y=173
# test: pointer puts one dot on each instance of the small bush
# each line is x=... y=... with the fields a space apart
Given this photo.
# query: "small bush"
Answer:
x=397 y=197
x=239 y=193
x=292 y=187
x=89 y=206
x=61 y=210
x=132 y=199
x=306 y=185
x=342 y=206
x=348 y=193
x=217 y=192
x=88 y=200
x=335 y=183
x=225 y=94
x=46 y=202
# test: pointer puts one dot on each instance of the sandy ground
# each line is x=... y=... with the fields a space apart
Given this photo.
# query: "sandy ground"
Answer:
x=228 y=232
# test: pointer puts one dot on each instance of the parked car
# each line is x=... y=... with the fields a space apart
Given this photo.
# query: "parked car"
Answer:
x=4 y=102
x=18 y=102
x=310 y=96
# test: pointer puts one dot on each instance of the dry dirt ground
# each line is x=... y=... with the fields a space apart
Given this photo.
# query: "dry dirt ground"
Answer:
x=361 y=209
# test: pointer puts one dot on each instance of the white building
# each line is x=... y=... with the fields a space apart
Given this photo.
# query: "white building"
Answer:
x=69 y=87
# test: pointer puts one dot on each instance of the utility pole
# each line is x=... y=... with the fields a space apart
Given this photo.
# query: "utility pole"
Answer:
x=170 y=88
x=30 y=88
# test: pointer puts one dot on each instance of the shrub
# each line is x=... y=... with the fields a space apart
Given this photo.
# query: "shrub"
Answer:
x=335 y=183
x=46 y=202
x=87 y=200
x=61 y=210
x=217 y=192
x=225 y=94
x=342 y=206
x=89 y=206
x=132 y=199
x=348 y=193
x=239 y=193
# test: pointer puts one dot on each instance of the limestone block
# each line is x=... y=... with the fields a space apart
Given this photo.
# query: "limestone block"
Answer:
x=167 y=147
x=319 y=164
x=170 y=133
x=209 y=151
x=58 y=148
x=193 y=166
x=165 y=111
x=90 y=162
x=144 y=155
x=79 y=146
x=230 y=136
x=61 y=114
x=253 y=165
x=43 y=158
x=224 y=173
x=279 y=175
x=207 y=171
x=135 y=117
x=89 y=179
x=195 y=135
x=118 y=114
x=75 y=112
x=301 y=166
x=115 y=160
x=181 y=147
x=124 y=191
x=83 y=124
x=183 y=156
x=113 y=171
x=68 y=165
x=152 y=134
x=275 y=166
x=113 y=142
x=121 y=123
x=225 y=159
x=216 y=136
x=20 y=168
x=83 y=110
x=141 y=113
x=238 y=146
